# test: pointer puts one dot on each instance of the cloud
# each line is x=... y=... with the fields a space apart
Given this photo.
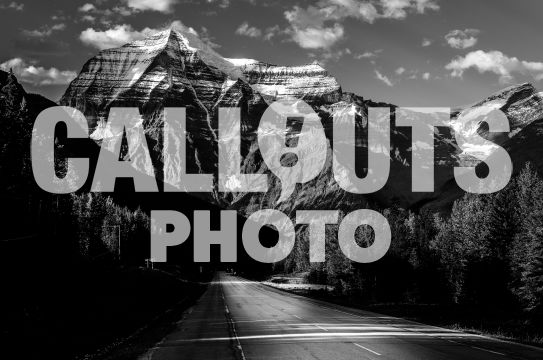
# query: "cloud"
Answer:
x=88 y=18
x=398 y=9
x=37 y=75
x=368 y=54
x=340 y=9
x=13 y=6
x=204 y=35
x=222 y=3
x=325 y=17
x=87 y=8
x=395 y=9
x=119 y=35
x=271 y=32
x=122 y=34
x=462 y=39
x=495 y=62
x=308 y=29
x=330 y=56
x=383 y=78
x=59 y=17
x=423 y=5
x=318 y=37
x=267 y=34
x=105 y=16
x=330 y=10
x=45 y=31
x=412 y=74
x=163 y=6
x=246 y=30
x=426 y=42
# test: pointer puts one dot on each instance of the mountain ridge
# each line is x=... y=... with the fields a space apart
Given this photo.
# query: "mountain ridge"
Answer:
x=168 y=69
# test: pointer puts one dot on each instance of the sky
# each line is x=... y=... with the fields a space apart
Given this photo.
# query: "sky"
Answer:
x=420 y=53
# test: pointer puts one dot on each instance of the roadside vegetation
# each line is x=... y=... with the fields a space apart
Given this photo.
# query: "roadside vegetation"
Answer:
x=478 y=268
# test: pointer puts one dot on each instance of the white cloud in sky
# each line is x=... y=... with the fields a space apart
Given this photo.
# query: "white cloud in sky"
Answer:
x=398 y=9
x=88 y=7
x=45 y=31
x=115 y=37
x=226 y=3
x=88 y=18
x=368 y=54
x=462 y=39
x=395 y=9
x=325 y=17
x=271 y=32
x=423 y=5
x=105 y=16
x=426 y=76
x=246 y=30
x=383 y=78
x=163 y=6
x=426 y=42
x=122 y=34
x=325 y=57
x=400 y=70
x=251 y=31
x=37 y=75
x=495 y=62
x=318 y=37
x=13 y=6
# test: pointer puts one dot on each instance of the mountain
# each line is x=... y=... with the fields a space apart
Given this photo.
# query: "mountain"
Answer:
x=18 y=191
x=523 y=106
x=174 y=68
x=13 y=97
x=310 y=82
x=18 y=109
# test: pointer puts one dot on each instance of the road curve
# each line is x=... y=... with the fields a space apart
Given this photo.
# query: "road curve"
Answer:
x=239 y=319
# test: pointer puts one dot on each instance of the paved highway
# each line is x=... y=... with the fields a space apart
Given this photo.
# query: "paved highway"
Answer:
x=239 y=319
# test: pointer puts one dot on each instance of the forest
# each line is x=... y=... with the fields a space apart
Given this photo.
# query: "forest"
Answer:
x=486 y=252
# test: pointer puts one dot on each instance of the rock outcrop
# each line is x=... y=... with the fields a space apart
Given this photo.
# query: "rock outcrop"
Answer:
x=310 y=83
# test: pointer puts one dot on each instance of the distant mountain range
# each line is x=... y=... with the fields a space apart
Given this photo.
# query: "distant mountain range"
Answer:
x=174 y=68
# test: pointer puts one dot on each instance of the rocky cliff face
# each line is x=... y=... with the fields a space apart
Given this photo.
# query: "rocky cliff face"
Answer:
x=523 y=106
x=174 y=68
x=310 y=83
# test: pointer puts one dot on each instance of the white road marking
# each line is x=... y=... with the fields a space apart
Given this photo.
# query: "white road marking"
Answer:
x=325 y=335
x=365 y=348
x=490 y=351
x=320 y=327
x=315 y=325
x=233 y=326
x=414 y=331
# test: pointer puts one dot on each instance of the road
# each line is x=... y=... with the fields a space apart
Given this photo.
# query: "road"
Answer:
x=239 y=319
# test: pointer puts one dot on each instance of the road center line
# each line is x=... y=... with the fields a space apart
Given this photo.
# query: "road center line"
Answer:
x=490 y=351
x=365 y=348
x=232 y=325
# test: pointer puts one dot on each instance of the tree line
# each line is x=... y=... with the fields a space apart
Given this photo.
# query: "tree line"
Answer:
x=487 y=251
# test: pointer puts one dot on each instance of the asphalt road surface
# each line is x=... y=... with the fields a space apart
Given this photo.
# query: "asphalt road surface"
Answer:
x=239 y=319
